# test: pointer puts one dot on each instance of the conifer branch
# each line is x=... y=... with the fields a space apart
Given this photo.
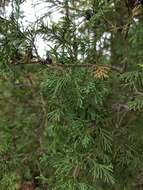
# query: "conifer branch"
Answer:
x=42 y=62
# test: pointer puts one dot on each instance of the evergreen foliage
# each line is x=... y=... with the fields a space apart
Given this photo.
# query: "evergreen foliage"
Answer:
x=72 y=120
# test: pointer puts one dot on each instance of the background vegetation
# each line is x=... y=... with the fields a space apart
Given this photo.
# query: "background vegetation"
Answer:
x=73 y=120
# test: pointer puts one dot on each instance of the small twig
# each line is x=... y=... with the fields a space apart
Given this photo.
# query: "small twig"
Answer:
x=139 y=93
x=33 y=44
x=42 y=62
